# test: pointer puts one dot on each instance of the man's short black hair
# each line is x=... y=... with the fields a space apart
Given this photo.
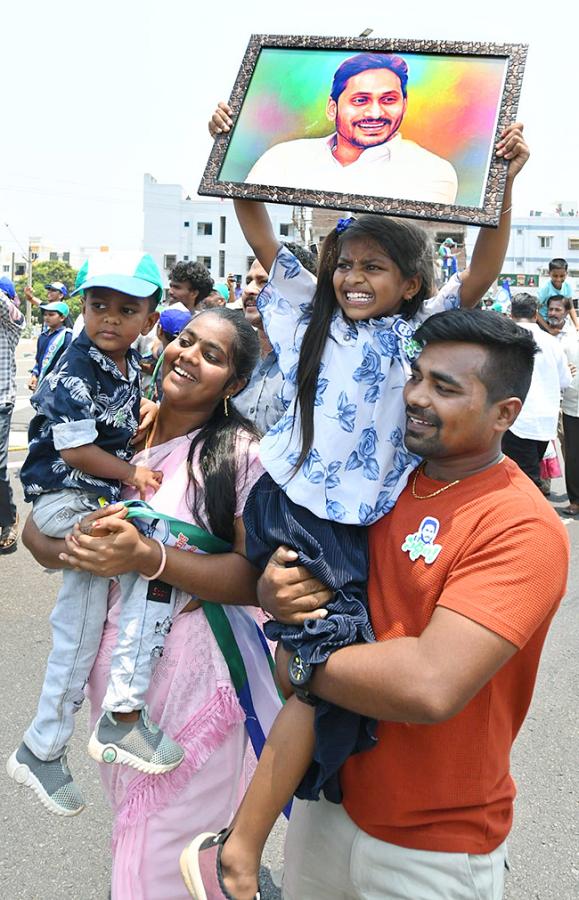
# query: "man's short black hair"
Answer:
x=524 y=306
x=196 y=274
x=566 y=301
x=308 y=259
x=510 y=348
x=558 y=263
x=354 y=65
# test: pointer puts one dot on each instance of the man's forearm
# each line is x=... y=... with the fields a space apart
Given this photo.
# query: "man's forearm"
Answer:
x=388 y=681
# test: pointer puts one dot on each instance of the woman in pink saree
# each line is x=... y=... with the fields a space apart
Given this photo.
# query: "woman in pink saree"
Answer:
x=209 y=458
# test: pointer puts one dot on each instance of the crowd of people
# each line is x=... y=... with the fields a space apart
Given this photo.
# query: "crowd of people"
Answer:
x=340 y=464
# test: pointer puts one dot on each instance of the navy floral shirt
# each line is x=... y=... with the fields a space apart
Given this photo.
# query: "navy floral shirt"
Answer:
x=84 y=400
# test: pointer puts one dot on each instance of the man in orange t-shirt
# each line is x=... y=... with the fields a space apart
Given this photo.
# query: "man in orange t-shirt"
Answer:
x=460 y=603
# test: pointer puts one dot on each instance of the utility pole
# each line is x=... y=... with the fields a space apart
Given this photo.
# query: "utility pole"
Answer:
x=27 y=257
x=29 y=279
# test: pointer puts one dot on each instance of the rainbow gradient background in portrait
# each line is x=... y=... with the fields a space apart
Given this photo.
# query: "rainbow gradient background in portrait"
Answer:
x=453 y=106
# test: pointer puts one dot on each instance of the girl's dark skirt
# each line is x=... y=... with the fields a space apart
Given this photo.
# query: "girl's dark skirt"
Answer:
x=337 y=555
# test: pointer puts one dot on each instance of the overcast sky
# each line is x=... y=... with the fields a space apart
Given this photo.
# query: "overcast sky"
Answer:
x=96 y=93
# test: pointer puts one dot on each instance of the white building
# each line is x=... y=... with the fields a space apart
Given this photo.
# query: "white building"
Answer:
x=203 y=229
x=13 y=262
x=535 y=240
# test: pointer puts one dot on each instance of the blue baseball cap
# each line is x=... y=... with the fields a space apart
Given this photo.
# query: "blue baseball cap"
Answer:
x=173 y=321
x=134 y=274
x=8 y=287
x=57 y=286
x=58 y=306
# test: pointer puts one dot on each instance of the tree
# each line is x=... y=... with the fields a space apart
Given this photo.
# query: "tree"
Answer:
x=44 y=273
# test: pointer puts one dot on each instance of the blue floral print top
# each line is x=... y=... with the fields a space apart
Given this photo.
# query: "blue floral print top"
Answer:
x=358 y=464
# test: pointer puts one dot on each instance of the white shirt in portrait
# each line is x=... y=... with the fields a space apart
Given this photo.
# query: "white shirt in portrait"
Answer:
x=397 y=168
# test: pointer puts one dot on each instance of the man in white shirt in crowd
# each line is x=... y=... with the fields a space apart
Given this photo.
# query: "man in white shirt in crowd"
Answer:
x=568 y=337
x=527 y=439
x=366 y=154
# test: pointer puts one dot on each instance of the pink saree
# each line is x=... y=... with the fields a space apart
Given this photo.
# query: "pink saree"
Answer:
x=192 y=698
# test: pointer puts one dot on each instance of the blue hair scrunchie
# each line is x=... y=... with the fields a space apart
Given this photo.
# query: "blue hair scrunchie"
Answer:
x=343 y=224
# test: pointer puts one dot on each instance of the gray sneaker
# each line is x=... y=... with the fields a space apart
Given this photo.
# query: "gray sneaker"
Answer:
x=51 y=781
x=141 y=745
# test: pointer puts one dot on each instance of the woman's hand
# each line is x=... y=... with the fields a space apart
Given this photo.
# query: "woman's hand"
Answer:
x=88 y=525
x=220 y=122
x=290 y=594
x=122 y=549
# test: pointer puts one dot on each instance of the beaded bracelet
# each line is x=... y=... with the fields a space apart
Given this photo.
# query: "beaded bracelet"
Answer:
x=161 y=568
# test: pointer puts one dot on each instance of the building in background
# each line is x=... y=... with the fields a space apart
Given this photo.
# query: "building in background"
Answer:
x=537 y=238
x=204 y=229
x=14 y=263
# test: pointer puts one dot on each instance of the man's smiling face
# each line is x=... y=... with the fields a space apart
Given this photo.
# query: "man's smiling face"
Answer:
x=370 y=109
x=448 y=413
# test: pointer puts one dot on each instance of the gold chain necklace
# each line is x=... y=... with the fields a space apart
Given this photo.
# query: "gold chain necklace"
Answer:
x=434 y=493
x=440 y=490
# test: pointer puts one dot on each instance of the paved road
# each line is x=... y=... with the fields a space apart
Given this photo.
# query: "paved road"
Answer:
x=43 y=858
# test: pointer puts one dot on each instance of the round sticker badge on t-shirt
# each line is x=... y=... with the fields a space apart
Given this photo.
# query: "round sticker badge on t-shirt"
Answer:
x=421 y=542
x=405 y=333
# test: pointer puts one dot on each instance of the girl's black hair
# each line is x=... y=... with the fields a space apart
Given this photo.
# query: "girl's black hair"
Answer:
x=217 y=439
x=408 y=246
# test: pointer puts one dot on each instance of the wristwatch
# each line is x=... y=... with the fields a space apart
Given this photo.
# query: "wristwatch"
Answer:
x=300 y=673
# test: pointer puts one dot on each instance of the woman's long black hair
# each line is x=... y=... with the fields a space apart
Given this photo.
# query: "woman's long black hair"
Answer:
x=217 y=438
x=408 y=246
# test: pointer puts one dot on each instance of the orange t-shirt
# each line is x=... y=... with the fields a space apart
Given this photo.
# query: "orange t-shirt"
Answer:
x=493 y=551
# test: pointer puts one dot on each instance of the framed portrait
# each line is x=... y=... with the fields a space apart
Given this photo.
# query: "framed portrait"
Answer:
x=405 y=128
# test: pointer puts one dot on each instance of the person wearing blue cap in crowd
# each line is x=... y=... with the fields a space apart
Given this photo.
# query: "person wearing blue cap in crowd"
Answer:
x=7 y=286
x=87 y=413
x=447 y=255
x=56 y=292
x=171 y=323
x=11 y=327
x=52 y=342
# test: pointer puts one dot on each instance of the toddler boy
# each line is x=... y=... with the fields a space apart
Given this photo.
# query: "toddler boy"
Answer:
x=87 y=412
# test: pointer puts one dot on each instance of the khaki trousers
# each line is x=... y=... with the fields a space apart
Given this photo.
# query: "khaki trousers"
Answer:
x=327 y=857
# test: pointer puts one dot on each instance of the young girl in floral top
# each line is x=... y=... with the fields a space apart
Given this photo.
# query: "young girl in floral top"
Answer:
x=335 y=461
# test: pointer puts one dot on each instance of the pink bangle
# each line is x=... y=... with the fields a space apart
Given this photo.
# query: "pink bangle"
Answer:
x=161 y=568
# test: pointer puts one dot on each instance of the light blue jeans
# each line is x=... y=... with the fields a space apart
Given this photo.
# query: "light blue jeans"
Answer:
x=77 y=622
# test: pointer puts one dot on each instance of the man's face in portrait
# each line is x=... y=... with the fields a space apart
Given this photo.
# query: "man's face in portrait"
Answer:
x=428 y=532
x=370 y=109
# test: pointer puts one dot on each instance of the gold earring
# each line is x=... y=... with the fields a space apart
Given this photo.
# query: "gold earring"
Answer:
x=225 y=407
